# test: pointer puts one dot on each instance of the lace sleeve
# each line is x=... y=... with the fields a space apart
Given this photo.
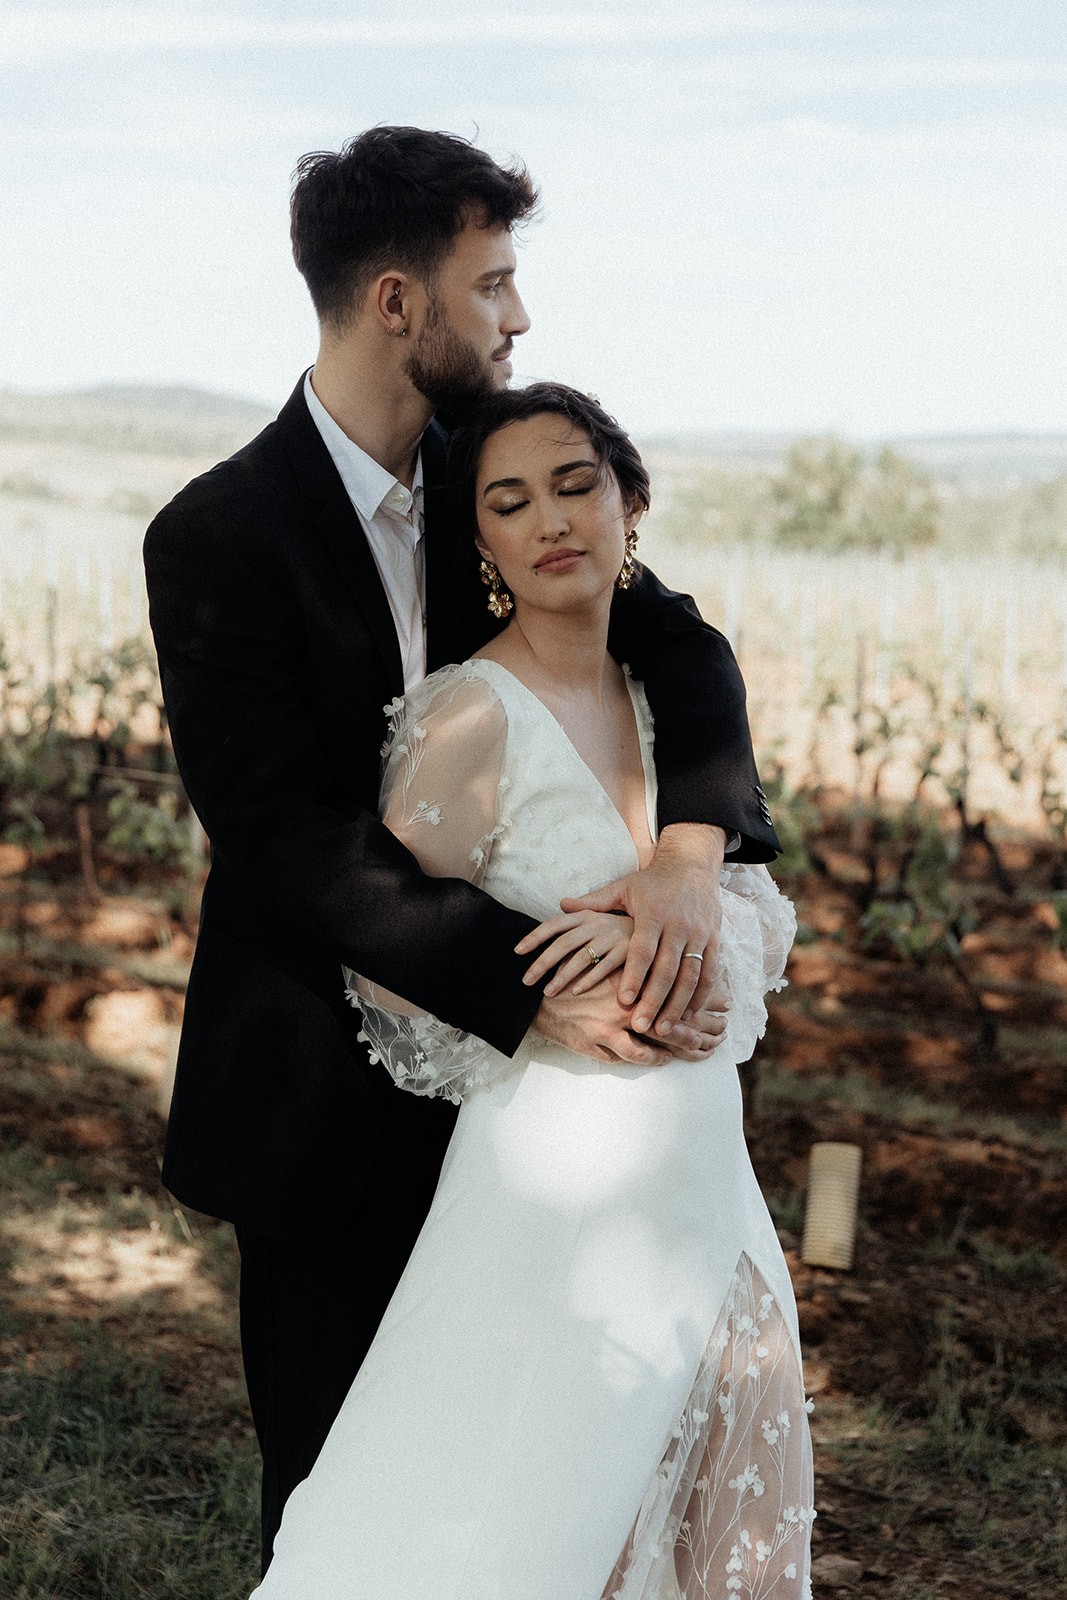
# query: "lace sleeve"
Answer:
x=758 y=927
x=441 y=793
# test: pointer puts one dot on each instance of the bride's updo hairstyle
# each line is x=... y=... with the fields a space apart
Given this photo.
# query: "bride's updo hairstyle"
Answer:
x=614 y=449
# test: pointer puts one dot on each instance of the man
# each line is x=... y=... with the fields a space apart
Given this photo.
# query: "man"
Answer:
x=289 y=588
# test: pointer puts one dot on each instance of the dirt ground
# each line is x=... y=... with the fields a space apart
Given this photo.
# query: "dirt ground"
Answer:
x=937 y=1363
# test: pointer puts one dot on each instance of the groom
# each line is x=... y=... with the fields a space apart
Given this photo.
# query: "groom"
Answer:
x=295 y=589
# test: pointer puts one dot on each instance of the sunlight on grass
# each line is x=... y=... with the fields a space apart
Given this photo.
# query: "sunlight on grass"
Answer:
x=125 y=1440
x=66 y=1256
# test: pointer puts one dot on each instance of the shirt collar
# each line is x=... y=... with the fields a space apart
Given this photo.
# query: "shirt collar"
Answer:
x=367 y=482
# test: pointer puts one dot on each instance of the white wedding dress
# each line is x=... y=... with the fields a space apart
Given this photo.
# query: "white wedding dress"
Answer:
x=588 y=1381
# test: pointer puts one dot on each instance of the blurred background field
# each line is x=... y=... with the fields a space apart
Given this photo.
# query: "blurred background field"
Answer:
x=874 y=593
x=821 y=559
x=900 y=613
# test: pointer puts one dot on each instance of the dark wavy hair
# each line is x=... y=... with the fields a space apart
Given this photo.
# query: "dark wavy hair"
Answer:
x=393 y=197
x=614 y=449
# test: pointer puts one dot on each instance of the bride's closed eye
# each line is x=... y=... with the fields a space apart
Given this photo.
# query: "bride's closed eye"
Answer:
x=566 y=490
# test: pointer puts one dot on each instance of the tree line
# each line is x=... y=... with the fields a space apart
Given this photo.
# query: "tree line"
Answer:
x=829 y=495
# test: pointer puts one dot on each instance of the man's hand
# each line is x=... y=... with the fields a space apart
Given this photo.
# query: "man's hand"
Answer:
x=595 y=1024
x=676 y=911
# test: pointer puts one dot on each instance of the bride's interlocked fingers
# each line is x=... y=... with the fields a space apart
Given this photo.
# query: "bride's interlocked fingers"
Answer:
x=676 y=910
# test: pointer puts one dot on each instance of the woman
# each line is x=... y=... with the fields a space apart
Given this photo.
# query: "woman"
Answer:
x=588 y=1381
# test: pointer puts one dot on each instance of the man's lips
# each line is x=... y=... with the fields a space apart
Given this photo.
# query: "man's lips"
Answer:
x=559 y=560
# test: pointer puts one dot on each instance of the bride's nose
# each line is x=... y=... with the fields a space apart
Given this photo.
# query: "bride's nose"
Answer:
x=552 y=520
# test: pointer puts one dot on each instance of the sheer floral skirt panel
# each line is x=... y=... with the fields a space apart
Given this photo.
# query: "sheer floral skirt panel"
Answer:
x=728 y=1515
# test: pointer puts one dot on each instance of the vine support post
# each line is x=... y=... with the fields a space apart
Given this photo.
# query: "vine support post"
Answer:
x=966 y=720
x=51 y=634
x=860 y=697
x=1009 y=666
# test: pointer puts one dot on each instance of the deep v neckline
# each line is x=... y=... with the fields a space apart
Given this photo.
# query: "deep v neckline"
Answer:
x=643 y=743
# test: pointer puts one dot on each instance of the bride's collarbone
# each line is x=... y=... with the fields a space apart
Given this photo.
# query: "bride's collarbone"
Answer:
x=600 y=727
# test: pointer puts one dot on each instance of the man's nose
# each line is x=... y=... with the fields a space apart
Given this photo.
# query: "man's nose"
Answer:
x=517 y=319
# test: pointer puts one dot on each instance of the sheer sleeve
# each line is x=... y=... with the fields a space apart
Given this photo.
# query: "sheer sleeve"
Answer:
x=442 y=790
x=758 y=927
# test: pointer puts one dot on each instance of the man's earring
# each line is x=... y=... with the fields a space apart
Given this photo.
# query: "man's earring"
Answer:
x=500 y=602
x=395 y=303
x=629 y=565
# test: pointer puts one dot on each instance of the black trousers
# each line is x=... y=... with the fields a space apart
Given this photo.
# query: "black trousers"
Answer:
x=310 y=1306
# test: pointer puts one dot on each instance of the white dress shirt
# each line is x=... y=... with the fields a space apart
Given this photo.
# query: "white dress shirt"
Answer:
x=392 y=518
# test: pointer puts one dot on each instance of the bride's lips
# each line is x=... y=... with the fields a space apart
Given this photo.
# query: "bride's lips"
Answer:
x=559 y=561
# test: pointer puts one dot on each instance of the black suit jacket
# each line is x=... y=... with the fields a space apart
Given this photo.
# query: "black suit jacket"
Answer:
x=277 y=654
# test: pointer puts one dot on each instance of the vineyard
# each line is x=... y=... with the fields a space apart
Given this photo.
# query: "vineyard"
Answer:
x=909 y=713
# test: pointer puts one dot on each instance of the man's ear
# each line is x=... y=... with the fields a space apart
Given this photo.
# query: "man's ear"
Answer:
x=391 y=296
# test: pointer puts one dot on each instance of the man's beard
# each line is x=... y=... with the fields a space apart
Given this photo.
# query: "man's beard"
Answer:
x=446 y=369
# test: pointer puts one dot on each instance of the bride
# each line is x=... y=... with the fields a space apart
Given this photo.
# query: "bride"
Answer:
x=587 y=1385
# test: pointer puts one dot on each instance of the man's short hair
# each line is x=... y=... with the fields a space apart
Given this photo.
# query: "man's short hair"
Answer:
x=393 y=197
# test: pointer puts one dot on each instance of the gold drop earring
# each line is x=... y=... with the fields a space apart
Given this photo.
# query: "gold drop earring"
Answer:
x=629 y=564
x=500 y=602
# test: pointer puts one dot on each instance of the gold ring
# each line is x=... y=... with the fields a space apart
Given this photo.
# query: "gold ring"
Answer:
x=594 y=958
x=691 y=955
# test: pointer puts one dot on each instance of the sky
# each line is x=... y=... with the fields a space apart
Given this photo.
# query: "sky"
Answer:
x=845 y=217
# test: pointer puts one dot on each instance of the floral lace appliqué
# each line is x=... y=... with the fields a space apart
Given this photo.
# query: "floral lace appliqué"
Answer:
x=728 y=1515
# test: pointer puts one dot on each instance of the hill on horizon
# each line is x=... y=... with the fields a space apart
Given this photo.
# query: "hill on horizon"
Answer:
x=178 y=420
x=183 y=419
x=180 y=398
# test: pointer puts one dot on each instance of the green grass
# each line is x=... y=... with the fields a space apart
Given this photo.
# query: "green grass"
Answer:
x=787 y=1209
x=948 y=1495
x=965 y=1492
x=853 y=1091
x=21 y=1045
x=119 y=1488
x=70 y=956
x=1001 y=1504
x=127 y=1459
x=999 y=1263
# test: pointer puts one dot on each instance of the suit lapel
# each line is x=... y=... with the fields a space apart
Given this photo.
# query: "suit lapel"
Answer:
x=333 y=518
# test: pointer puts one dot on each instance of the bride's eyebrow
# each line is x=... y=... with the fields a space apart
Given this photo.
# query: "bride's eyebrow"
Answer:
x=503 y=483
x=518 y=483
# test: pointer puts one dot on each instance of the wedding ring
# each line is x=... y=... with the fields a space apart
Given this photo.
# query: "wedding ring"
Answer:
x=593 y=957
x=692 y=955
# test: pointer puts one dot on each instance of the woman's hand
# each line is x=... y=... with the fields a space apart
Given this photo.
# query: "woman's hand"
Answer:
x=676 y=907
x=583 y=946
